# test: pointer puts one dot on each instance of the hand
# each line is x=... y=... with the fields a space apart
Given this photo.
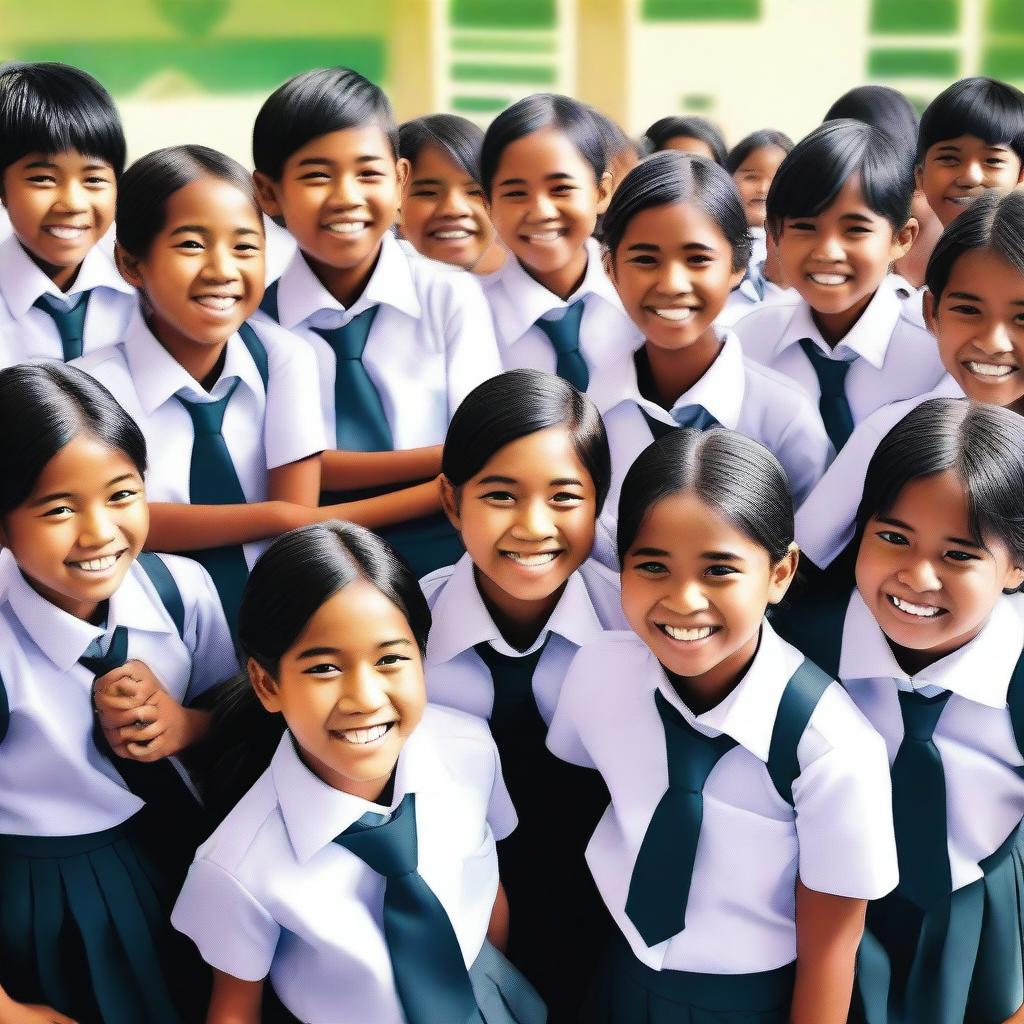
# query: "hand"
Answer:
x=25 y=1013
x=140 y=719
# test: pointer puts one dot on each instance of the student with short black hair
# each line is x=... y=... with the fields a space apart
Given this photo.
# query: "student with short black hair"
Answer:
x=839 y=209
x=62 y=152
x=399 y=341
x=544 y=170
x=689 y=135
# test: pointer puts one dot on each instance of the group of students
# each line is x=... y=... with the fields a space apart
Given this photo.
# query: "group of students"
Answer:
x=580 y=732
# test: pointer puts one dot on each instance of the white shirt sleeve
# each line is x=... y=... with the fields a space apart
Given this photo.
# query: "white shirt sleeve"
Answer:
x=232 y=931
x=501 y=815
x=471 y=349
x=293 y=426
x=564 y=738
x=804 y=449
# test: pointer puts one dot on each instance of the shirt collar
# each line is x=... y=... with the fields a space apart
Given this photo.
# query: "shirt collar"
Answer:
x=158 y=376
x=22 y=282
x=300 y=294
x=979 y=671
x=748 y=713
x=315 y=813
x=868 y=338
x=461 y=620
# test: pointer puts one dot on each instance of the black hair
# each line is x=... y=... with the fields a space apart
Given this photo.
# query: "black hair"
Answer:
x=812 y=175
x=45 y=406
x=730 y=473
x=756 y=140
x=982 y=444
x=886 y=109
x=457 y=138
x=662 y=131
x=291 y=580
x=317 y=103
x=989 y=110
x=575 y=120
x=515 y=404
x=993 y=221
x=53 y=108
x=616 y=141
x=151 y=181
x=671 y=177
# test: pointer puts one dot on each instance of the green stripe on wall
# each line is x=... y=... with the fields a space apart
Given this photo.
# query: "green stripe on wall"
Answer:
x=1006 y=16
x=498 y=44
x=513 y=74
x=1004 y=61
x=915 y=17
x=700 y=10
x=503 y=13
x=478 y=104
x=897 y=63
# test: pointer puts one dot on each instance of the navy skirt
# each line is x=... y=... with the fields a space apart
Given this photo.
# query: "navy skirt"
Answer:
x=630 y=992
x=84 y=928
x=960 y=962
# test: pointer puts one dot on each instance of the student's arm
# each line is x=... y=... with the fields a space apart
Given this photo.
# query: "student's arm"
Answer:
x=297 y=482
x=344 y=471
x=828 y=932
x=497 y=927
x=234 y=1001
x=26 y=1013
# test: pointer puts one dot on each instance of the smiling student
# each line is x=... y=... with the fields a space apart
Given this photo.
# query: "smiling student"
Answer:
x=543 y=169
x=399 y=341
x=62 y=151
x=359 y=873
x=839 y=208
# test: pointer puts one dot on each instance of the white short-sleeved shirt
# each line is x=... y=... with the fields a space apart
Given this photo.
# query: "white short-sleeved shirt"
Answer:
x=745 y=297
x=517 y=301
x=741 y=395
x=456 y=677
x=825 y=522
x=271 y=893
x=893 y=356
x=53 y=780
x=430 y=343
x=262 y=428
x=974 y=736
x=30 y=333
x=740 y=917
x=912 y=297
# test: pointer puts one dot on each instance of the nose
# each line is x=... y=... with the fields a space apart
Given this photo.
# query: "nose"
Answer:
x=533 y=522
x=687 y=598
x=543 y=208
x=361 y=692
x=97 y=529
x=220 y=263
x=829 y=249
x=920 y=576
x=72 y=197
x=995 y=339
x=972 y=173
x=346 y=192
x=674 y=278
x=455 y=204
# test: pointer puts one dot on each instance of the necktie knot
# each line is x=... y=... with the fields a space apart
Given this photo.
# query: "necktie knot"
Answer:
x=831 y=372
x=695 y=416
x=921 y=714
x=349 y=341
x=390 y=848
x=70 y=322
x=98 y=663
x=691 y=754
x=208 y=417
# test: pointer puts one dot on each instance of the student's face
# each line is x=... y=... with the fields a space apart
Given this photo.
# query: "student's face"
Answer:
x=956 y=171
x=688 y=144
x=754 y=177
x=350 y=688
x=544 y=204
x=60 y=206
x=78 y=532
x=673 y=272
x=695 y=588
x=443 y=211
x=527 y=518
x=338 y=194
x=837 y=259
x=931 y=585
x=979 y=323
x=204 y=272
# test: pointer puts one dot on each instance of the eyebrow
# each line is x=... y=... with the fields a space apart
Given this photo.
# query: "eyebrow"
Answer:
x=199 y=229
x=46 y=498
x=556 y=176
x=977 y=298
x=319 y=652
x=657 y=552
x=721 y=556
x=863 y=217
x=365 y=158
x=892 y=521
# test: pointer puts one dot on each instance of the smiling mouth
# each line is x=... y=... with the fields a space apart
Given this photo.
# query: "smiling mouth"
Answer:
x=920 y=611
x=364 y=737
x=97 y=565
x=995 y=372
x=531 y=559
x=829 y=280
x=347 y=227
x=965 y=200
x=544 y=236
x=688 y=636
x=66 y=232
x=677 y=314
x=452 y=234
x=218 y=303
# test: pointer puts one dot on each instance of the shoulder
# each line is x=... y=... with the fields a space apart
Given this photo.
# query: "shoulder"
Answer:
x=278 y=342
x=463 y=741
x=605 y=658
x=191 y=578
x=102 y=361
x=764 y=380
x=434 y=582
x=839 y=727
x=237 y=835
x=770 y=319
x=605 y=592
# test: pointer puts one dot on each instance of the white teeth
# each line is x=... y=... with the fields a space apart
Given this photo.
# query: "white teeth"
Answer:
x=828 y=279
x=961 y=200
x=96 y=564
x=990 y=369
x=364 y=736
x=677 y=314
x=700 y=633
x=451 y=235
x=540 y=558
x=347 y=227
x=544 y=236
x=922 y=610
x=66 y=232
x=217 y=302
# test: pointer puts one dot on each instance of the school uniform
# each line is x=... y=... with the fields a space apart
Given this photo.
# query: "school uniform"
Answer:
x=39 y=321
x=575 y=338
x=753 y=291
x=278 y=890
x=80 y=864
x=557 y=923
x=267 y=421
x=428 y=343
x=912 y=297
x=793 y=783
x=734 y=392
x=947 y=944
x=886 y=357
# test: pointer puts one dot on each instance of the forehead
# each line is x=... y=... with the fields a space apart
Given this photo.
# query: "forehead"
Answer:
x=937 y=503
x=686 y=526
x=545 y=151
x=540 y=457
x=344 y=146
x=356 y=617
x=968 y=143
x=66 y=160
x=848 y=200
x=209 y=200
x=985 y=273
x=763 y=158
x=433 y=162
x=84 y=463
x=674 y=224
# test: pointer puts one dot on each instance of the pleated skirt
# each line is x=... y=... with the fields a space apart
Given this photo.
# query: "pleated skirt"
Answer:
x=84 y=928
x=503 y=995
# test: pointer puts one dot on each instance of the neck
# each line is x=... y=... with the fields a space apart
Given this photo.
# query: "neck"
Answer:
x=492 y=259
x=565 y=280
x=519 y=621
x=88 y=611
x=203 y=362
x=835 y=326
x=703 y=692
x=913 y=661
x=62 y=277
x=345 y=284
x=675 y=371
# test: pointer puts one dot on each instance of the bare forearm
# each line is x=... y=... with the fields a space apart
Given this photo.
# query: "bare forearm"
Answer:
x=387 y=509
x=355 y=470
x=174 y=527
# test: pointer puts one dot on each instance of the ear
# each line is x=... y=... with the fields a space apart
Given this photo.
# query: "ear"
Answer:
x=608 y=263
x=403 y=168
x=128 y=265
x=267 y=192
x=450 y=502
x=263 y=685
x=736 y=277
x=604 y=191
x=919 y=177
x=1014 y=578
x=930 y=310
x=903 y=240
x=782 y=574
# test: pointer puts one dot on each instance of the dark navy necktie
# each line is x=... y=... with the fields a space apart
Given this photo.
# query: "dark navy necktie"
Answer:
x=695 y=416
x=833 y=403
x=360 y=423
x=430 y=974
x=70 y=322
x=564 y=335
x=659 y=888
